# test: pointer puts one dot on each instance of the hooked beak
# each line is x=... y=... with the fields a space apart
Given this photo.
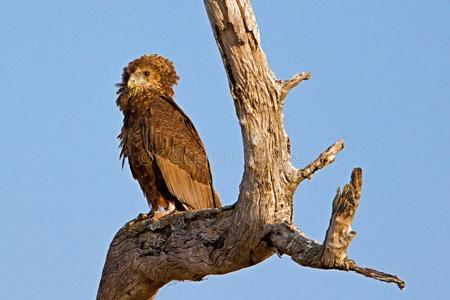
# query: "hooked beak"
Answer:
x=135 y=81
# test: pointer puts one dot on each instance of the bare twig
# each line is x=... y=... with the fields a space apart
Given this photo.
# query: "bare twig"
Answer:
x=287 y=85
x=326 y=157
x=381 y=276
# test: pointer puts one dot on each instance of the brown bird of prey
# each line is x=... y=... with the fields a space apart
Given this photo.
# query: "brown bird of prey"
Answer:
x=164 y=151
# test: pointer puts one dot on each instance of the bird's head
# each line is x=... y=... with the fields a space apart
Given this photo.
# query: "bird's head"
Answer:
x=149 y=73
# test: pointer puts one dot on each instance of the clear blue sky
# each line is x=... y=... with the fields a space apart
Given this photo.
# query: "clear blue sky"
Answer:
x=380 y=81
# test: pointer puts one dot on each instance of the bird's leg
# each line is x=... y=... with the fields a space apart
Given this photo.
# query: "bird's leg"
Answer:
x=157 y=214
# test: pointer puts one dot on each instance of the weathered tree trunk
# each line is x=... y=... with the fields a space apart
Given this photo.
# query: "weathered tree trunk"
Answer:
x=148 y=254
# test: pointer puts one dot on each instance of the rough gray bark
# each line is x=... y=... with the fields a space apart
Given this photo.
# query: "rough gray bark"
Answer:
x=147 y=254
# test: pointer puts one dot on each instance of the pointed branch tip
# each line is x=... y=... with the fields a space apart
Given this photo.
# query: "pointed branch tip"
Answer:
x=378 y=275
x=287 y=85
x=326 y=157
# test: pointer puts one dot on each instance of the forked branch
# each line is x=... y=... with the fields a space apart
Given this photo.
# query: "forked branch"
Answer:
x=332 y=254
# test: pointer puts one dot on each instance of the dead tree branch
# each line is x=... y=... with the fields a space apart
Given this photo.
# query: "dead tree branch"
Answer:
x=146 y=255
x=332 y=254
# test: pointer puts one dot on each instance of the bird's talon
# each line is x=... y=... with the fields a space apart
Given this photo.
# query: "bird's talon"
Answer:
x=142 y=216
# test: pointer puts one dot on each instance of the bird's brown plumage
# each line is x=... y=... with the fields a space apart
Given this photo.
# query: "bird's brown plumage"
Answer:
x=164 y=151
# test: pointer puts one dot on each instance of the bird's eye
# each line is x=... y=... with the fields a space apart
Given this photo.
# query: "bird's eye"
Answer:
x=146 y=73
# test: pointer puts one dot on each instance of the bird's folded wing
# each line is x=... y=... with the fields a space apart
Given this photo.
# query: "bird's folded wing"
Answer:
x=180 y=155
x=192 y=194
